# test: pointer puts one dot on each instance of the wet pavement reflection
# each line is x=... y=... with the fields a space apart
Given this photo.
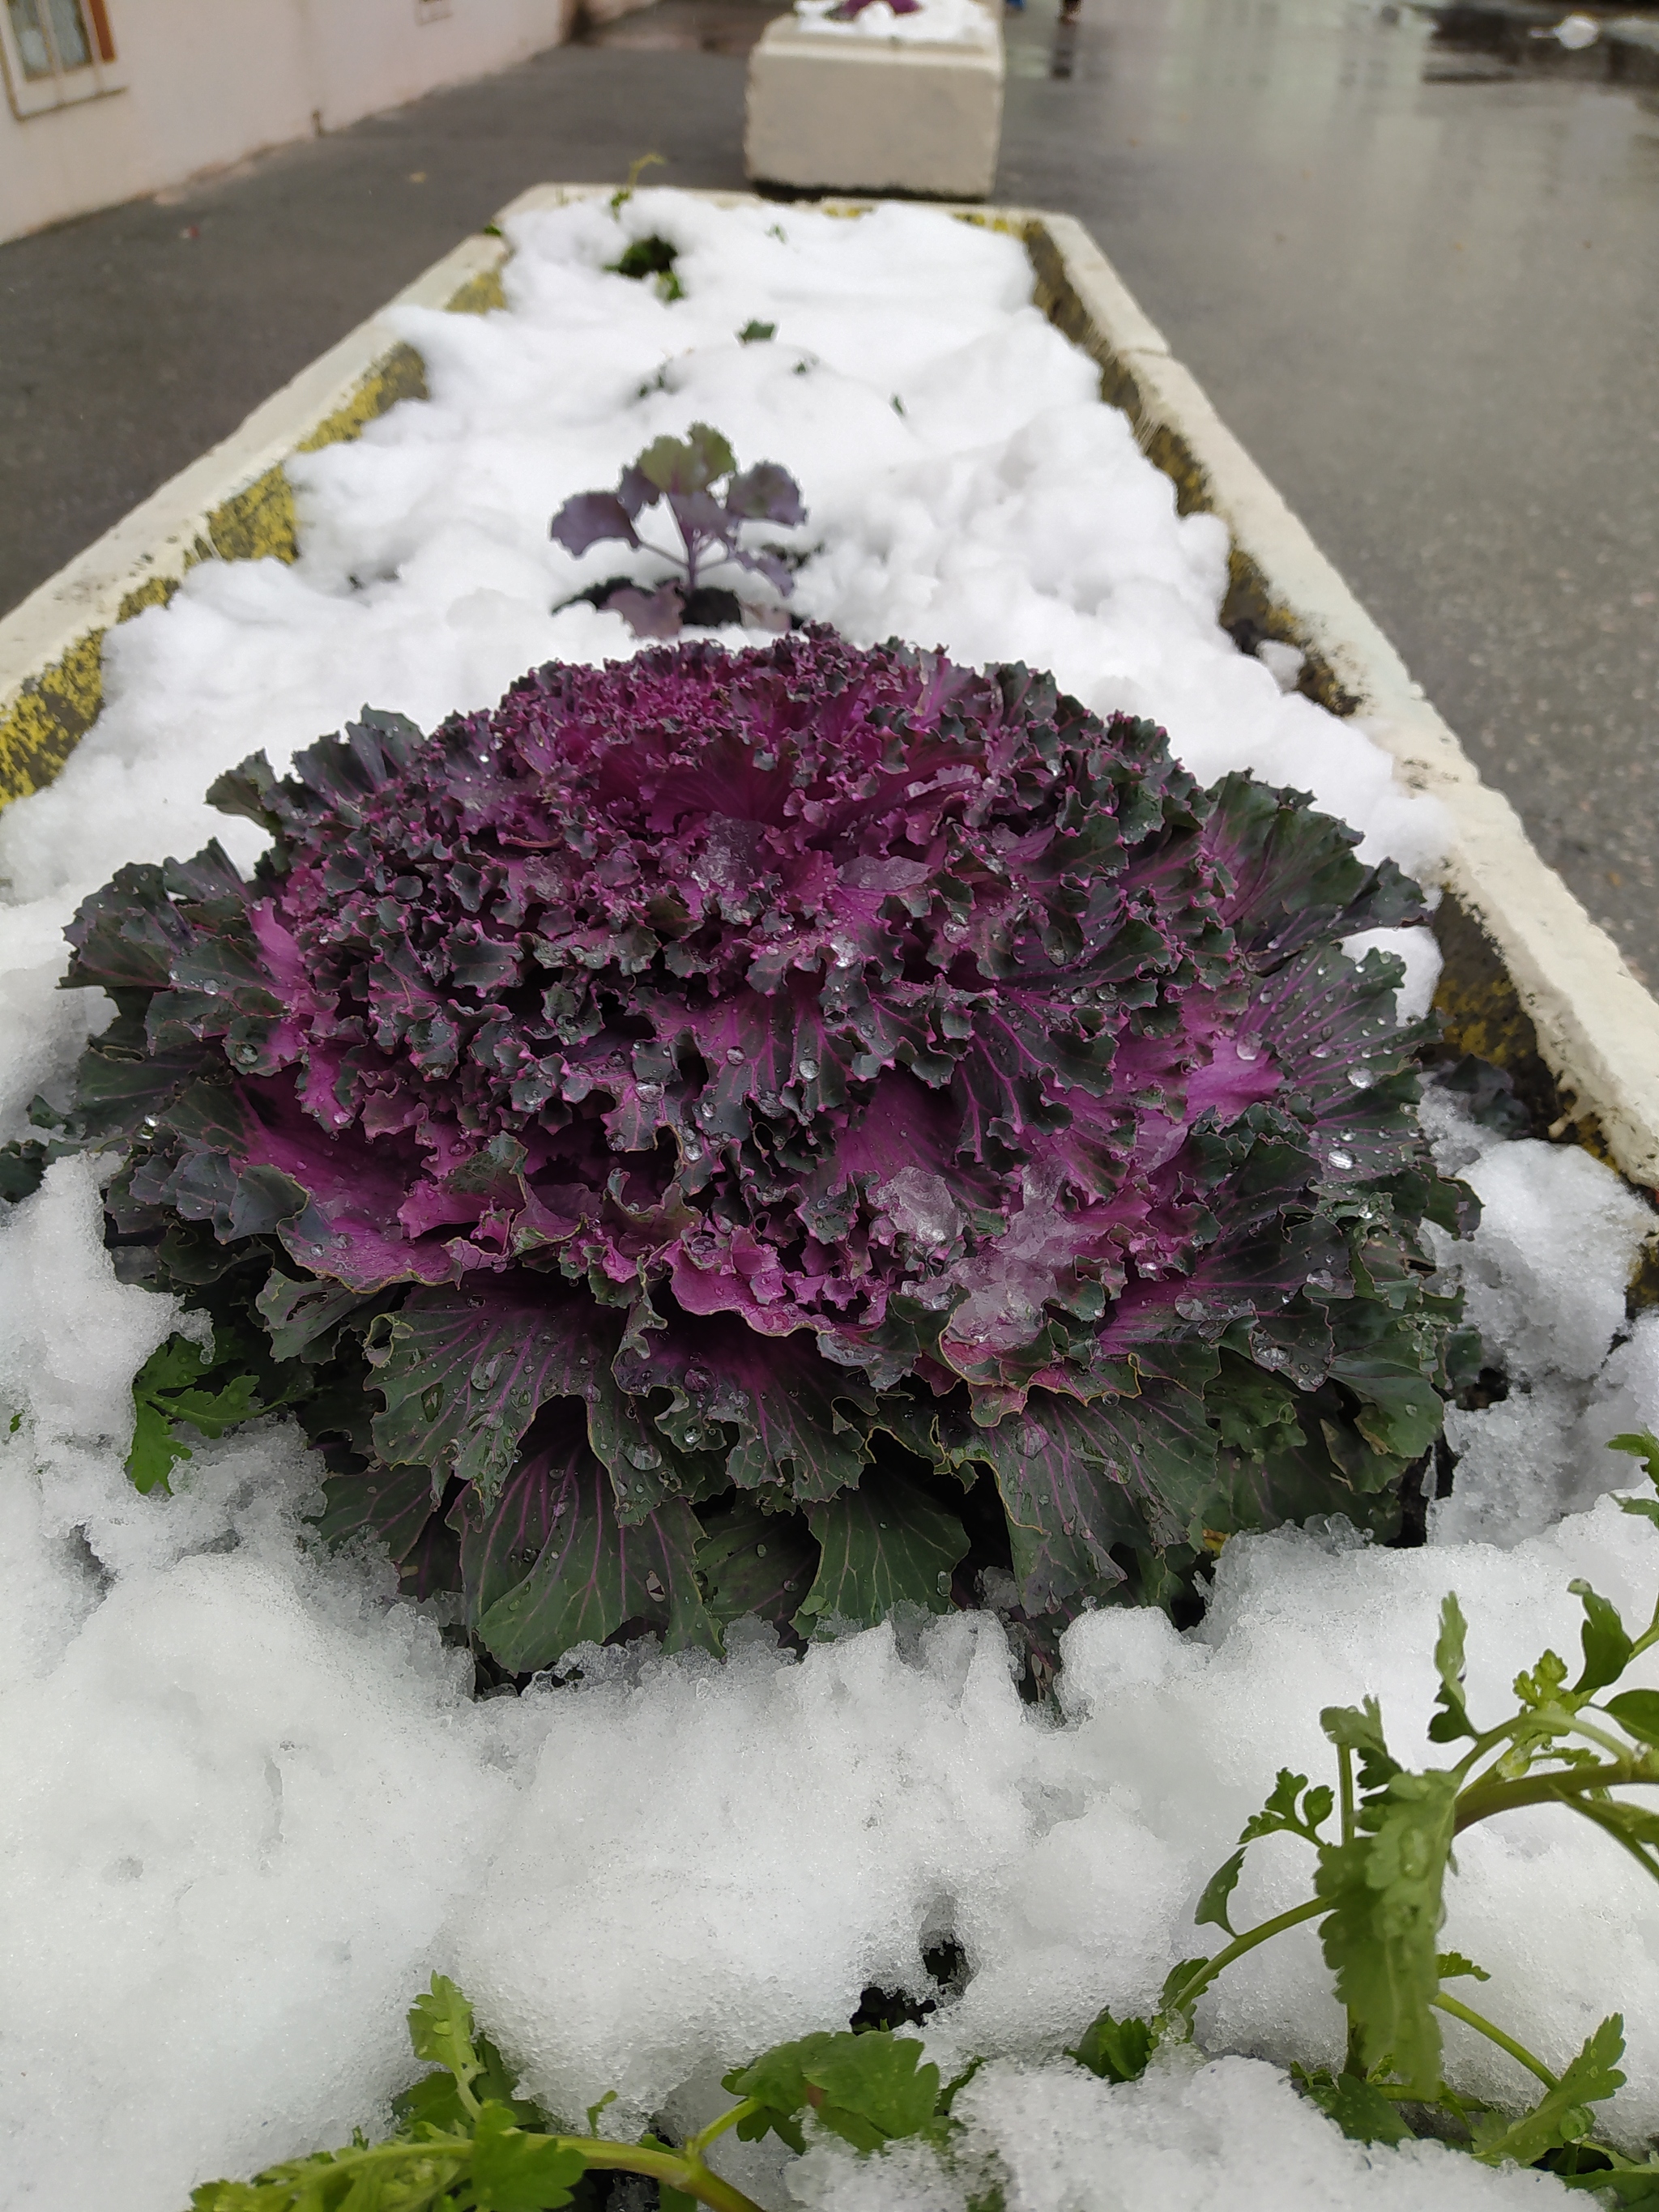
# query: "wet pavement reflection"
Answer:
x=1422 y=284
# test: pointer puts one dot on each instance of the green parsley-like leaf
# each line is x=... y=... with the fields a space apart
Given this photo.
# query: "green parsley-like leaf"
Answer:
x=1451 y=1718
x=179 y=1383
x=1281 y=1814
x=1384 y=1890
x=156 y=1450
x=1172 y=2001
x=1562 y=2115
x=1621 y=2186
x=1212 y=1905
x=1452 y=1965
x=1545 y=1682
x=1607 y=1647
x=1360 y=2110
x=441 y=2030
x=1643 y=1444
x=514 y=2172
x=869 y=2089
x=436 y=2099
x=1637 y=1713
x=1118 y=2050
x=1359 y=1729
x=1279 y=1811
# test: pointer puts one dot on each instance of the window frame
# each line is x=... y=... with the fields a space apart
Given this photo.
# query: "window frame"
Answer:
x=102 y=73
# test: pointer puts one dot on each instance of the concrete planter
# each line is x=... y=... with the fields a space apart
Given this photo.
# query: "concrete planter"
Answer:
x=1530 y=981
x=829 y=113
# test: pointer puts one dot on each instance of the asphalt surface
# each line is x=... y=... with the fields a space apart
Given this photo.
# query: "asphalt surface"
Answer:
x=1422 y=286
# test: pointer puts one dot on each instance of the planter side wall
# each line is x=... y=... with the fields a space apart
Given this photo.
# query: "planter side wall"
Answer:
x=1530 y=982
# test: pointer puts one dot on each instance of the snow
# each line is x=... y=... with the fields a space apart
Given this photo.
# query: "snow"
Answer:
x=1544 y=1279
x=935 y=22
x=246 y=1802
x=1231 y=2136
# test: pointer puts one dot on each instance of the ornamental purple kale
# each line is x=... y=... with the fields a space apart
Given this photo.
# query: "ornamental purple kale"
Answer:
x=703 y=1117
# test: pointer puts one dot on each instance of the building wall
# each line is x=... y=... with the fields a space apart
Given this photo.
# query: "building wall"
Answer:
x=207 y=82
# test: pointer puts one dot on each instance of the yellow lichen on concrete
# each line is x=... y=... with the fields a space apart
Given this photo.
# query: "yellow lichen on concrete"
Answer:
x=401 y=374
x=50 y=717
x=482 y=295
x=56 y=709
x=256 y=524
x=154 y=592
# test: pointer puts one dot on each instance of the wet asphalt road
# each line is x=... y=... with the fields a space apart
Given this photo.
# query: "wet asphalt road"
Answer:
x=1422 y=287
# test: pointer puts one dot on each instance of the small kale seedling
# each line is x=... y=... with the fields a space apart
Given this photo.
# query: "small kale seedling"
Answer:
x=710 y=501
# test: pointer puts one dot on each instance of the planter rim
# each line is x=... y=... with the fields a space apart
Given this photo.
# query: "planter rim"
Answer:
x=1593 y=1025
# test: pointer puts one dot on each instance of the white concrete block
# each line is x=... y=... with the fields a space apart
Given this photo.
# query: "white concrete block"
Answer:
x=875 y=115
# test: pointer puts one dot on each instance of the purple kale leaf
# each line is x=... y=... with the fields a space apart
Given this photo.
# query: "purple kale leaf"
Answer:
x=885 y=1092
x=684 y=476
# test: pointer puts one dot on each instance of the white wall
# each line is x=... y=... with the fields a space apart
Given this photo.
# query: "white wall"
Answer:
x=210 y=81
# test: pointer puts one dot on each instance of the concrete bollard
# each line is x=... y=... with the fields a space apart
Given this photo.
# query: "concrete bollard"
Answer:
x=843 y=113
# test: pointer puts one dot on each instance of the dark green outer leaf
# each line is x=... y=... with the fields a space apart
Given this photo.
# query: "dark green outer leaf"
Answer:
x=463 y=1376
x=883 y=1544
x=757 y=1563
x=800 y=1422
x=593 y=1574
x=394 y=1503
x=1077 y=1480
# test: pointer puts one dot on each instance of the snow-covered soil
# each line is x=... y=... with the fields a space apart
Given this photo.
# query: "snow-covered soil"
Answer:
x=246 y=1802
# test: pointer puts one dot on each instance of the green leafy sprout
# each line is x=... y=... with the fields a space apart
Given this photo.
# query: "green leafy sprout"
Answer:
x=181 y=1388
x=1378 y=1893
x=467 y=2140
